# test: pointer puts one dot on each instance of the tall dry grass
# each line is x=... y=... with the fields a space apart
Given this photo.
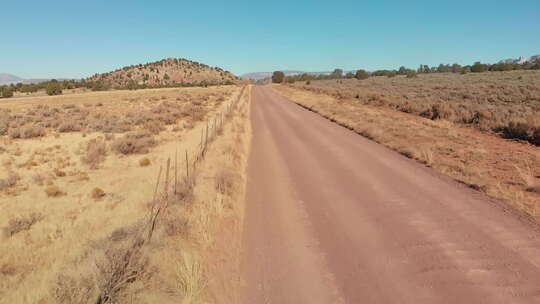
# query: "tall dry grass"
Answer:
x=505 y=103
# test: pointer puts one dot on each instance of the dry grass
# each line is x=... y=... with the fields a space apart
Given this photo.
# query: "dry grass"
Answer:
x=26 y=131
x=190 y=278
x=19 y=224
x=134 y=143
x=502 y=169
x=225 y=181
x=98 y=193
x=91 y=250
x=54 y=191
x=96 y=152
x=144 y=162
x=506 y=103
x=10 y=181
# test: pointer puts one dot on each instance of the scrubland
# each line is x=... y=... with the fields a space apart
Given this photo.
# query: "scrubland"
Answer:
x=505 y=103
x=455 y=143
x=113 y=197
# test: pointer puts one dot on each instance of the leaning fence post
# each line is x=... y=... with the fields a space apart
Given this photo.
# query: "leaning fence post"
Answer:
x=187 y=167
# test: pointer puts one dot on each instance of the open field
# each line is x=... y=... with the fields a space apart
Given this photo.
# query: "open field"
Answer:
x=507 y=170
x=506 y=103
x=117 y=196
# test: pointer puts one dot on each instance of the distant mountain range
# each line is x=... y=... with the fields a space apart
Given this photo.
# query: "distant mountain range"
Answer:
x=520 y=60
x=6 y=78
x=268 y=75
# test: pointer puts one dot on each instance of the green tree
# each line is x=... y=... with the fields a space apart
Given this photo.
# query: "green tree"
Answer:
x=53 y=88
x=6 y=92
x=132 y=85
x=477 y=67
x=337 y=73
x=402 y=70
x=411 y=74
x=278 y=77
x=361 y=74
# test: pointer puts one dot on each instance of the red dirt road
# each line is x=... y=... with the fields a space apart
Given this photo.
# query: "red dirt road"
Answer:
x=332 y=217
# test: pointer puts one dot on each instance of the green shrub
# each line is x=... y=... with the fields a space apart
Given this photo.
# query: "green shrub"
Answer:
x=477 y=67
x=278 y=77
x=54 y=88
x=361 y=74
x=411 y=74
x=6 y=92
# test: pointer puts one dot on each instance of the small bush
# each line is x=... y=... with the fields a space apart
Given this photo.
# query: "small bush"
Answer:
x=6 y=92
x=98 y=193
x=96 y=152
x=27 y=131
x=53 y=191
x=59 y=173
x=411 y=74
x=134 y=143
x=154 y=126
x=54 y=88
x=9 y=182
x=69 y=126
x=144 y=162
x=278 y=77
x=19 y=224
x=361 y=74
x=225 y=181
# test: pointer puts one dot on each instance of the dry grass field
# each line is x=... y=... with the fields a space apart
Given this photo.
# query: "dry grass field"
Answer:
x=507 y=170
x=114 y=197
x=506 y=103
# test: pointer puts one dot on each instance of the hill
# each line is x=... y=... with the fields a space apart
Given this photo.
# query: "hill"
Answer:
x=7 y=79
x=168 y=71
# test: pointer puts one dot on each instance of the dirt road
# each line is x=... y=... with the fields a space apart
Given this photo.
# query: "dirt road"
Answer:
x=335 y=218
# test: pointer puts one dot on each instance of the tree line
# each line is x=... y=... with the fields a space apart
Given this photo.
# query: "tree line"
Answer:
x=55 y=87
x=477 y=67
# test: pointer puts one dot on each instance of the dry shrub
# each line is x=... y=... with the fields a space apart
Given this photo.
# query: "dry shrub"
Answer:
x=8 y=269
x=4 y=126
x=489 y=102
x=96 y=152
x=39 y=179
x=175 y=226
x=134 y=143
x=26 y=131
x=54 y=191
x=154 y=126
x=144 y=162
x=10 y=181
x=121 y=263
x=69 y=126
x=98 y=193
x=59 y=173
x=225 y=181
x=80 y=288
x=534 y=189
x=190 y=277
x=19 y=224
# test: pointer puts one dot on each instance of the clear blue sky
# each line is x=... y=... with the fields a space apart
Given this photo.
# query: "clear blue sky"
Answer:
x=80 y=38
